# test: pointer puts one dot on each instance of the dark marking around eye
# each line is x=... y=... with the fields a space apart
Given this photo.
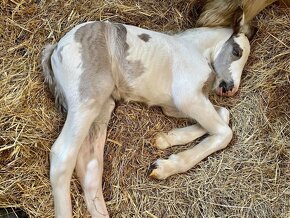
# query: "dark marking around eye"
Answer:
x=226 y=56
x=237 y=51
x=145 y=37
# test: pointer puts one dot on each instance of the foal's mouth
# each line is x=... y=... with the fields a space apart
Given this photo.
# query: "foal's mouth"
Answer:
x=230 y=93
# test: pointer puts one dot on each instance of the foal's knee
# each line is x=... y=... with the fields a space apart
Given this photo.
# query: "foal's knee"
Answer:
x=60 y=169
x=224 y=114
x=226 y=135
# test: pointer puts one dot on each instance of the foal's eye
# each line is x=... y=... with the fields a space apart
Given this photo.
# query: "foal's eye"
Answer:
x=237 y=51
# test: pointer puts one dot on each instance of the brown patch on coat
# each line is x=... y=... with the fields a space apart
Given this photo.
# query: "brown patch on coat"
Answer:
x=124 y=70
x=132 y=69
x=104 y=51
x=135 y=68
x=96 y=80
x=145 y=37
x=118 y=33
x=121 y=38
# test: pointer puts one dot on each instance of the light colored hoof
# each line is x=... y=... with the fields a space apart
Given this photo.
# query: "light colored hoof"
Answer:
x=161 y=141
x=160 y=169
x=154 y=172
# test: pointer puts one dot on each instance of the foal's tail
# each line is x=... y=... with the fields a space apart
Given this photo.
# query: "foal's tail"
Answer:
x=50 y=79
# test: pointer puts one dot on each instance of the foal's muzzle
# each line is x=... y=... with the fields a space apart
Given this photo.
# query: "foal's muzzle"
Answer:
x=226 y=88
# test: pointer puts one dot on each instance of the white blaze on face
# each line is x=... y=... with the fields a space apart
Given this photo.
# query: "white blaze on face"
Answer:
x=236 y=67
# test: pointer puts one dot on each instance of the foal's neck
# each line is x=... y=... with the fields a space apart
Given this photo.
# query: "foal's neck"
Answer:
x=207 y=40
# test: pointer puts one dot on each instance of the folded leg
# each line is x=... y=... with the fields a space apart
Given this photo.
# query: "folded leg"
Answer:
x=220 y=135
x=181 y=136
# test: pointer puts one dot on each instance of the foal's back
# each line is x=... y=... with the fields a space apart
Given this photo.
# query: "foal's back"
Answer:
x=138 y=61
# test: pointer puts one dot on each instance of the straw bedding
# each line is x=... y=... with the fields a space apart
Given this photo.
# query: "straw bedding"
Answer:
x=250 y=178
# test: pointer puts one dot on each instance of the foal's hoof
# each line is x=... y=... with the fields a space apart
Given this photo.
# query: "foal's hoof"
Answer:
x=151 y=169
x=160 y=169
x=153 y=172
x=161 y=141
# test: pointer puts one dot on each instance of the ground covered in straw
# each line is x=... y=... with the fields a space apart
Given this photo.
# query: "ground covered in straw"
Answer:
x=250 y=178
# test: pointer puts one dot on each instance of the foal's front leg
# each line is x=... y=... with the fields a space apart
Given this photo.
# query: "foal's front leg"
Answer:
x=181 y=136
x=199 y=108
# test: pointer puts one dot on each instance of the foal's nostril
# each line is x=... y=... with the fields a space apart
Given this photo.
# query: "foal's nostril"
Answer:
x=223 y=85
x=230 y=85
x=226 y=86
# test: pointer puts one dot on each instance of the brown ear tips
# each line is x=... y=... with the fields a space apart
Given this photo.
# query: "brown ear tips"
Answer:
x=239 y=11
x=238 y=20
x=239 y=24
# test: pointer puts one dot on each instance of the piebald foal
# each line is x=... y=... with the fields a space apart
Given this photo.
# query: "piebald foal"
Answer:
x=99 y=62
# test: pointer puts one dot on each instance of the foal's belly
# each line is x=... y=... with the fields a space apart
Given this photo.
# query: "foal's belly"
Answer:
x=152 y=89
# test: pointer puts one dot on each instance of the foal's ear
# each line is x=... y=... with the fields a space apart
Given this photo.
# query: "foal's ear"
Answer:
x=239 y=24
x=238 y=21
x=249 y=31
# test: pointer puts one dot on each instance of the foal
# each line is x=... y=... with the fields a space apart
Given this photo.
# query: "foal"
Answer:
x=97 y=63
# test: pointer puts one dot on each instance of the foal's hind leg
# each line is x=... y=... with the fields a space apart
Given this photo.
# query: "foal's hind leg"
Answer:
x=90 y=162
x=64 y=152
x=181 y=136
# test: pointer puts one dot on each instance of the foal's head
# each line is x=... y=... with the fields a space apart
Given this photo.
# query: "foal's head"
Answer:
x=230 y=59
